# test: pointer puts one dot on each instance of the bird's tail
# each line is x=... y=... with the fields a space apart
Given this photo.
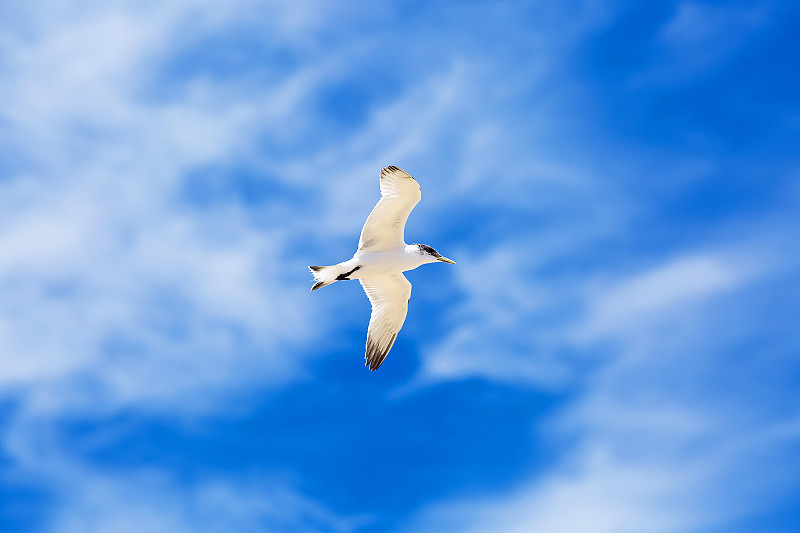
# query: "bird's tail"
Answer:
x=324 y=275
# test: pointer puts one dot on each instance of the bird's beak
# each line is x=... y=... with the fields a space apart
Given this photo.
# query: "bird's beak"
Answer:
x=446 y=260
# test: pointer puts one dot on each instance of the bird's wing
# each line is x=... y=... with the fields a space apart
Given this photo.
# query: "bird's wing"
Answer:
x=385 y=224
x=389 y=295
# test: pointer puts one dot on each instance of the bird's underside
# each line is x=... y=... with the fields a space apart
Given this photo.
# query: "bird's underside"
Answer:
x=389 y=296
x=379 y=262
x=385 y=225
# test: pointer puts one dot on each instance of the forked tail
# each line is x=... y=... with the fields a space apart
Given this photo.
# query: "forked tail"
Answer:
x=324 y=275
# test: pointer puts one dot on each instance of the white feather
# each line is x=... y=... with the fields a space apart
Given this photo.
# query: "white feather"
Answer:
x=389 y=296
x=380 y=261
x=386 y=223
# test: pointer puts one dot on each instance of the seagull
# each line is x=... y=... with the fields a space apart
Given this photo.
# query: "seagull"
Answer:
x=380 y=261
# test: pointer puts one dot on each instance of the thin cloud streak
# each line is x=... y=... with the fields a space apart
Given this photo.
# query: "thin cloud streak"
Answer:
x=123 y=294
x=657 y=448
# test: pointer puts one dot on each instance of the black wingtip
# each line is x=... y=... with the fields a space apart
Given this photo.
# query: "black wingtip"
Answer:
x=389 y=169
x=317 y=285
x=375 y=356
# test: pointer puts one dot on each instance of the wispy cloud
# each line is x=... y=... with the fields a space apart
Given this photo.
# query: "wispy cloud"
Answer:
x=152 y=501
x=652 y=441
x=93 y=498
x=673 y=287
x=156 y=211
x=700 y=38
x=665 y=420
x=129 y=289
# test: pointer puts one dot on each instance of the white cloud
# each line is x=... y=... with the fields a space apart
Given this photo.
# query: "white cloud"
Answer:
x=702 y=25
x=663 y=290
x=669 y=411
x=118 y=295
x=153 y=501
x=596 y=496
x=496 y=335
x=628 y=480
x=520 y=293
x=700 y=38
x=91 y=497
x=114 y=295
x=106 y=279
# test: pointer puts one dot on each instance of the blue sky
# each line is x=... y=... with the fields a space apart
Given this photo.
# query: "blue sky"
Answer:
x=616 y=350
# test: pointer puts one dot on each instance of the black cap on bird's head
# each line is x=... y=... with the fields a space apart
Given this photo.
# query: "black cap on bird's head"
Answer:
x=424 y=249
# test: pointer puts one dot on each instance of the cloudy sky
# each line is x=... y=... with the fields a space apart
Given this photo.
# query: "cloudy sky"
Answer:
x=616 y=351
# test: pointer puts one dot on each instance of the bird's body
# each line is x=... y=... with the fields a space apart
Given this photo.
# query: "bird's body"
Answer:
x=380 y=261
x=385 y=262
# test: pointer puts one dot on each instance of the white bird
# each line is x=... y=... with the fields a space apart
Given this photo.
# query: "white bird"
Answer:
x=380 y=261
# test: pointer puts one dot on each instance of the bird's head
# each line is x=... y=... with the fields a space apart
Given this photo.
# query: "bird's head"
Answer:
x=431 y=255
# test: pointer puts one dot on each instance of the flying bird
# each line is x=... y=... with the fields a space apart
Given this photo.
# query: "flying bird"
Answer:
x=380 y=261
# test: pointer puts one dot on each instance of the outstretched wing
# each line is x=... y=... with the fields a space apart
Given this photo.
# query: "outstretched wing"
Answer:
x=389 y=295
x=387 y=221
